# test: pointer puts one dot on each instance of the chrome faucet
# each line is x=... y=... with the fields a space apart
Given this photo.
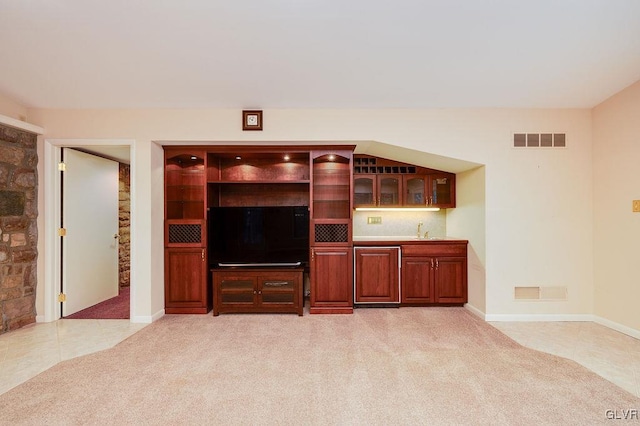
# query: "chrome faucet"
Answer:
x=419 y=226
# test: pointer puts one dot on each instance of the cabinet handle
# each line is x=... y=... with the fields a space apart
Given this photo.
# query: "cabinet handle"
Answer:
x=275 y=283
x=203 y=255
x=255 y=292
x=431 y=263
x=436 y=263
x=313 y=254
x=259 y=291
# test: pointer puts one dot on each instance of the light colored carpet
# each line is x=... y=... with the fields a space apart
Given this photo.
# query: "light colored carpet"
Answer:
x=378 y=366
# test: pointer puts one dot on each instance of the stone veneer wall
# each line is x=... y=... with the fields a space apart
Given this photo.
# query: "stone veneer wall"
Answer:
x=18 y=227
x=124 y=207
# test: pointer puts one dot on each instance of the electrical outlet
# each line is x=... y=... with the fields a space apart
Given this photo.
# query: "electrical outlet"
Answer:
x=636 y=206
x=374 y=220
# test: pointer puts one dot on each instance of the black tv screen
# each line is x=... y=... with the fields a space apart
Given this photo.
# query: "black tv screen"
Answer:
x=258 y=235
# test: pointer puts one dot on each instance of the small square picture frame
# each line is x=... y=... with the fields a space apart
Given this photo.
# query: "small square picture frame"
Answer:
x=252 y=119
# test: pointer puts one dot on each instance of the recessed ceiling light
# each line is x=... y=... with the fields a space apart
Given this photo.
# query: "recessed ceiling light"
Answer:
x=238 y=157
x=332 y=157
x=286 y=157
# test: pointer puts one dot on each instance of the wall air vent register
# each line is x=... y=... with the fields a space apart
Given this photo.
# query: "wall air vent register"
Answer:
x=539 y=140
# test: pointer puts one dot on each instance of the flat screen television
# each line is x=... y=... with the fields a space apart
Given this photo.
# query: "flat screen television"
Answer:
x=258 y=236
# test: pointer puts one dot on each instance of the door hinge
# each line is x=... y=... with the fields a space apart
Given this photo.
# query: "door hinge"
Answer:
x=62 y=167
x=62 y=297
x=62 y=232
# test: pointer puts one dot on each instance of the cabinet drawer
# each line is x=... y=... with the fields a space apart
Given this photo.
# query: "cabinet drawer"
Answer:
x=435 y=249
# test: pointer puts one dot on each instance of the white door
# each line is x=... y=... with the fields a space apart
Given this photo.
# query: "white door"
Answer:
x=90 y=216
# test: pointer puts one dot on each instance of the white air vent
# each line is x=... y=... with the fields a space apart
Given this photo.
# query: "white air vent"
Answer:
x=539 y=140
x=541 y=293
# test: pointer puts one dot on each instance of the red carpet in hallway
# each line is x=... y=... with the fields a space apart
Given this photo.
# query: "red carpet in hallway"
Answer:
x=114 y=308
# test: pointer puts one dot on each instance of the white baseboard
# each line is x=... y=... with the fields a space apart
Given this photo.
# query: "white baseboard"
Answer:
x=617 y=327
x=148 y=319
x=477 y=312
x=538 y=317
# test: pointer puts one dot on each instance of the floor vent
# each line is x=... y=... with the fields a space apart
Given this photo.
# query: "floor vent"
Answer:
x=540 y=293
x=539 y=140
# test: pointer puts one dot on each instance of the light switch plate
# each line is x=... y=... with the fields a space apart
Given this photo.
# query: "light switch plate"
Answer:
x=636 y=206
x=374 y=220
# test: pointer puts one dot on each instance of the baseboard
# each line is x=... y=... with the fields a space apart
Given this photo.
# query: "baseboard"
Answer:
x=147 y=319
x=617 y=327
x=477 y=312
x=538 y=317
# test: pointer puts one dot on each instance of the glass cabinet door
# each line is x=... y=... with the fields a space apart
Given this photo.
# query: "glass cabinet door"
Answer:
x=331 y=187
x=364 y=191
x=441 y=190
x=414 y=187
x=390 y=190
x=184 y=185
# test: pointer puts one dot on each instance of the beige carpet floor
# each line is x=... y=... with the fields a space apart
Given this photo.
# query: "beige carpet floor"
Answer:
x=378 y=366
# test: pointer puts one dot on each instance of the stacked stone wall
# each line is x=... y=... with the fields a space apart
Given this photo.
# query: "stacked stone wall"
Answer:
x=124 y=248
x=18 y=227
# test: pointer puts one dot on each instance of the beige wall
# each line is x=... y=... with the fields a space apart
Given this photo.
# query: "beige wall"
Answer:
x=538 y=202
x=12 y=108
x=470 y=221
x=616 y=131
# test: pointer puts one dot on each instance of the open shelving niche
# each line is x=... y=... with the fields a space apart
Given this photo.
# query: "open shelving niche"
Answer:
x=258 y=179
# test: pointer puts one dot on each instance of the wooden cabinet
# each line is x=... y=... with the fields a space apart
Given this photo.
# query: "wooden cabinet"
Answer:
x=365 y=190
x=377 y=190
x=417 y=280
x=377 y=275
x=257 y=290
x=257 y=179
x=185 y=290
x=441 y=189
x=429 y=190
x=186 y=287
x=434 y=273
x=331 y=280
x=331 y=259
x=185 y=179
x=379 y=182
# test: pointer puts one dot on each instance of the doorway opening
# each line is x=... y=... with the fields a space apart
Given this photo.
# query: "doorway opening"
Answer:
x=58 y=256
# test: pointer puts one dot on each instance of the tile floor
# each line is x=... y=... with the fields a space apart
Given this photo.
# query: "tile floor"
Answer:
x=611 y=354
x=26 y=352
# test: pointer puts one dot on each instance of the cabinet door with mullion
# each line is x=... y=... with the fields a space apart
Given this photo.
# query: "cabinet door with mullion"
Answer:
x=279 y=291
x=234 y=293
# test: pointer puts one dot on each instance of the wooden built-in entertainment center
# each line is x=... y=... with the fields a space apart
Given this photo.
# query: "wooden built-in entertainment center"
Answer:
x=199 y=178
x=222 y=251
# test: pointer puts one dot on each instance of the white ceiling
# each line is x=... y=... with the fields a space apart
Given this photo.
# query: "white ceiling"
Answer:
x=317 y=53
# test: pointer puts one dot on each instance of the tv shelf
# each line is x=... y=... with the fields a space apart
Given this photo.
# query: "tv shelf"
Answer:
x=257 y=290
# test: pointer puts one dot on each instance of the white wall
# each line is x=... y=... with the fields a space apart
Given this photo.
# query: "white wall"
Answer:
x=616 y=133
x=538 y=201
